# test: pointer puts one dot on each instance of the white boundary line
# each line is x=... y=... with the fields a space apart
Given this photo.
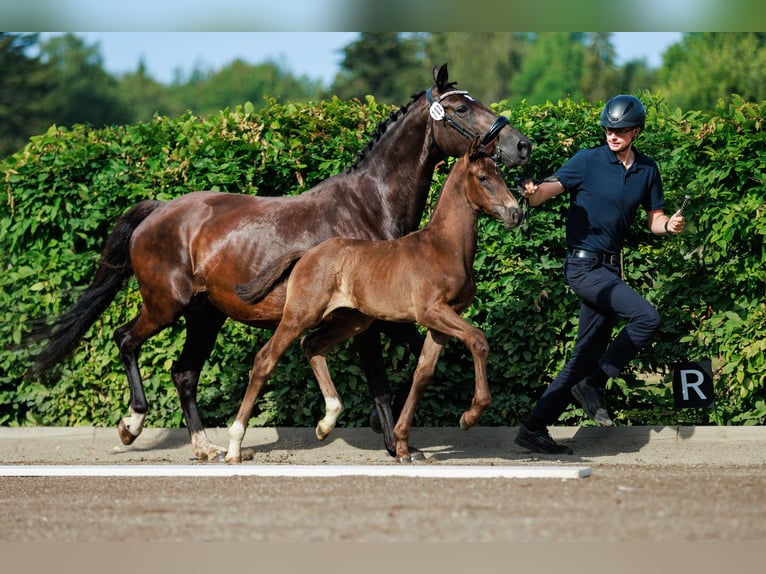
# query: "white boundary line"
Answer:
x=296 y=470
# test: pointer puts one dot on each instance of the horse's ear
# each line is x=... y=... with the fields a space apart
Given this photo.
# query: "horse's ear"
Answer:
x=440 y=77
x=476 y=149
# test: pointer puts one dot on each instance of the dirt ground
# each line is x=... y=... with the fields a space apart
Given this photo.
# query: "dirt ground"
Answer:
x=649 y=485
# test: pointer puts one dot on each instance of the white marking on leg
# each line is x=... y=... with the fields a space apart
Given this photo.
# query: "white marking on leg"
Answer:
x=332 y=409
x=236 y=434
x=135 y=422
x=203 y=448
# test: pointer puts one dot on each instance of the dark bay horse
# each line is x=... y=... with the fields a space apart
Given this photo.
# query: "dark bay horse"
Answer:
x=189 y=253
x=344 y=284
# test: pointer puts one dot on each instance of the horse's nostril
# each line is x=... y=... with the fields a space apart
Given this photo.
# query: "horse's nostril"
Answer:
x=524 y=147
x=514 y=217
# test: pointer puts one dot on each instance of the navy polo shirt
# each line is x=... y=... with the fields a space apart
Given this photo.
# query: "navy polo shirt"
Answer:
x=604 y=197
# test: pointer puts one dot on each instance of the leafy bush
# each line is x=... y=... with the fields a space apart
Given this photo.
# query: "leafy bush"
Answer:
x=66 y=187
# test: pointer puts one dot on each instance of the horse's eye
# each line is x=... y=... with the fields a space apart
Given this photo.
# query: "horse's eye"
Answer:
x=461 y=109
x=483 y=178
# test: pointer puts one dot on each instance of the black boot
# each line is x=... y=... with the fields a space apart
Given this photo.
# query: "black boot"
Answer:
x=592 y=400
x=539 y=441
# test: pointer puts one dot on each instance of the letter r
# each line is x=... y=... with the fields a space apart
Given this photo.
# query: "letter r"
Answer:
x=686 y=384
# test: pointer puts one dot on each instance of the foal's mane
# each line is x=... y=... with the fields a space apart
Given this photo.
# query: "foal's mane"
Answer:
x=385 y=124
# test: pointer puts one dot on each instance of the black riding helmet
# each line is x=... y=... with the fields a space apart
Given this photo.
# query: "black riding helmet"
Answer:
x=623 y=112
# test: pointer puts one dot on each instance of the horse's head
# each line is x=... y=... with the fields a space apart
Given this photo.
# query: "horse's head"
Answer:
x=457 y=118
x=486 y=188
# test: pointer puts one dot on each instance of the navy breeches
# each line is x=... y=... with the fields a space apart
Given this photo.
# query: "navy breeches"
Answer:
x=604 y=298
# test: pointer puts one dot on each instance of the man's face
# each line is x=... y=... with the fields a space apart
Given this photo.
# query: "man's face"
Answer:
x=619 y=139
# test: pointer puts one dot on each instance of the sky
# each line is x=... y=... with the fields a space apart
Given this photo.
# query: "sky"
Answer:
x=316 y=55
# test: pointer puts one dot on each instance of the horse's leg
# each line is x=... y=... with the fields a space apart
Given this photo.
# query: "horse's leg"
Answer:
x=316 y=346
x=424 y=373
x=382 y=418
x=369 y=349
x=129 y=339
x=445 y=320
x=264 y=363
x=408 y=336
x=202 y=326
x=477 y=344
x=131 y=426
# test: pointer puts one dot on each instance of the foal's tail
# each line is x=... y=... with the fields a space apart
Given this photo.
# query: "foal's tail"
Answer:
x=111 y=274
x=274 y=273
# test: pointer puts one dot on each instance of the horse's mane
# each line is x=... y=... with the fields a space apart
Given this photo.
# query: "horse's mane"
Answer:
x=385 y=124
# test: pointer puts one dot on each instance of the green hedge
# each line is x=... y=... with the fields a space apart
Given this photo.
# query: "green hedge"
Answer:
x=66 y=187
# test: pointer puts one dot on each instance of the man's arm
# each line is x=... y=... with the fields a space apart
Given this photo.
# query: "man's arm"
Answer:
x=660 y=224
x=539 y=193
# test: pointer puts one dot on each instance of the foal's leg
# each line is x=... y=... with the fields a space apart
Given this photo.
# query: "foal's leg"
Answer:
x=369 y=348
x=445 y=320
x=408 y=336
x=202 y=326
x=264 y=363
x=316 y=346
x=477 y=343
x=424 y=373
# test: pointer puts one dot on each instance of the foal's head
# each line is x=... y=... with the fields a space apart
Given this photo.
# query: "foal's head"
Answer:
x=486 y=189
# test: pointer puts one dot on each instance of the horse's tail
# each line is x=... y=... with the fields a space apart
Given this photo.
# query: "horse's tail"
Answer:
x=111 y=274
x=275 y=272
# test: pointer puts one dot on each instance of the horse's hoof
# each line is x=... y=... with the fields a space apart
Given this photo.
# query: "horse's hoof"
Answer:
x=321 y=434
x=233 y=460
x=404 y=459
x=211 y=453
x=463 y=423
x=126 y=436
x=218 y=456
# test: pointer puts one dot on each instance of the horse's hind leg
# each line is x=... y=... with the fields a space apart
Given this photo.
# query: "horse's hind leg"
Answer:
x=368 y=347
x=129 y=339
x=316 y=346
x=131 y=426
x=202 y=326
x=264 y=363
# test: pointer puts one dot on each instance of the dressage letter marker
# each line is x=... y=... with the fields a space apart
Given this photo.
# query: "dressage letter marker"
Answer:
x=693 y=385
x=298 y=471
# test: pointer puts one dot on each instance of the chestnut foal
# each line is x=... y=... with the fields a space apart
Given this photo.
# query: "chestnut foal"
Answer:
x=426 y=277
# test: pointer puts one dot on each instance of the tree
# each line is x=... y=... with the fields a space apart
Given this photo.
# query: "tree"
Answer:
x=552 y=69
x=83 y=91
x=635 y=76
x=600 y=74
x=385 y=65
x=143 y=97
x=708 y=66
x=488 y=60
x=24 y=83
x=240 y=82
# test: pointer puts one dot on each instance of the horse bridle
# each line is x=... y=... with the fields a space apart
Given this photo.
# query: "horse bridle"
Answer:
x=438 y=113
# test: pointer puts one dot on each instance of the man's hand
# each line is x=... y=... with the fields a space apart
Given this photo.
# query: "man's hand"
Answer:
x=529 y=187
x=676 y=222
